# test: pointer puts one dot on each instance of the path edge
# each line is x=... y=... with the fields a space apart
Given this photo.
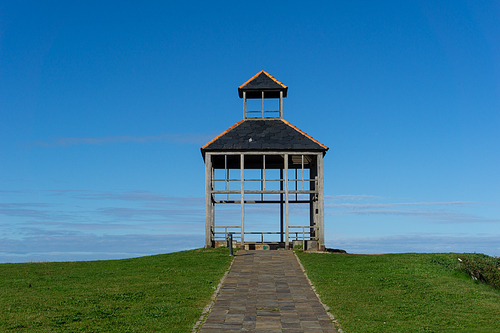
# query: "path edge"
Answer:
x=326 y=307
x=206 y=310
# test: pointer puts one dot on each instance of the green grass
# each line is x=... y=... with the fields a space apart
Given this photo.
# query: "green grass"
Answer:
x=167 y=293
x=162 y=293
x=403 y=293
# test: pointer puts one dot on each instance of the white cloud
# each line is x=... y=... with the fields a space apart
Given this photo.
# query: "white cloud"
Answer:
x=400 y=204
x=448 y=212
x=73 y=246
x=345 y=197
x=422 y=243
x=428 y=216
x=58 y=226
x=188 y=138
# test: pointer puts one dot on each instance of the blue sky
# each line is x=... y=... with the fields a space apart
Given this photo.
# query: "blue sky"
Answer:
x=104 y=107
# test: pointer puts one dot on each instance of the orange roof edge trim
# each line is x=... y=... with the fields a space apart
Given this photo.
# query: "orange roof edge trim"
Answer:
x=304 y=133
x=270 y=76
x=218 y=136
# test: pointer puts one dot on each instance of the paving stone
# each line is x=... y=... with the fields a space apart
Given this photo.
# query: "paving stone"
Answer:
x=210 y=330
x=266 y=291
x=291 y=325
x=310 y=324
x=212 y=325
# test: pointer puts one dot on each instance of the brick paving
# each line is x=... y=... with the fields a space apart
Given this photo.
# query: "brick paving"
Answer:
x=267 y=291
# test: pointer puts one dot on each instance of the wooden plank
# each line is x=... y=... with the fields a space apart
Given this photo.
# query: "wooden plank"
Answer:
x=260 y=179
x=321 y=204
x=226 y=176
x=244 y=105
x=287 y=245
x=265 y=192
x=281 y=104
x=242 y=190
x=260 y=201
x=262 y=104
x=313 y=172
x=264 y=172
x=281 y=207
x=302 y=172
x=208 y=200
x=262 y=152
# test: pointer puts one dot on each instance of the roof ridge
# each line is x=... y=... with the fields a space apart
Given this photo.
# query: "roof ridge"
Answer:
x=304 y=133
x=218 y=136
x=269 y=75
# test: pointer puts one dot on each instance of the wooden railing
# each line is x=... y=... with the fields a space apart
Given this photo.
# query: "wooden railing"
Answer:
x=225 y=234
x=307 y=233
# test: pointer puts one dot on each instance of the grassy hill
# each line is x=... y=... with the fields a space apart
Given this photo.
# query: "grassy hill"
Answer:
x=162 y=293
x=408 y=292
x=167 y=293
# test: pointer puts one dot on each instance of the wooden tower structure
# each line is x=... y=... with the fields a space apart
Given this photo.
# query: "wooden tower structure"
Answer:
x=289 y=165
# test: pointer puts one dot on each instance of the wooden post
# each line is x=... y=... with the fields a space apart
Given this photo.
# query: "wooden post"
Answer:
x=287 y=245
x=244 y=105
x=281 y=207
x=242 y=191
x=321 y=204
x=262 y=104
x=226 y=177
x=208 y=200
x=313 y=172
x=281 y=103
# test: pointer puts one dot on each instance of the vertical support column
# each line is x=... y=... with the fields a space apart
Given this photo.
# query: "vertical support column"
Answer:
x=287 y=244
x=209 y=221
x=226 y=178
x=313 y=197
x=263 y=104
x=281 y=208
x=263 y=177
x=321 y=203
x=302 y=172
x=281 y=103
x=264 y=172
x=244 y=105
x=242 y=191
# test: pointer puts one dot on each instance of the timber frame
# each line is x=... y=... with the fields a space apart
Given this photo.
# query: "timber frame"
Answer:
x=293 y=161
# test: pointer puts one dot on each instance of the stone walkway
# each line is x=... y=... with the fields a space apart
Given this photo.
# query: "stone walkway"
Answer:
x=267 y=291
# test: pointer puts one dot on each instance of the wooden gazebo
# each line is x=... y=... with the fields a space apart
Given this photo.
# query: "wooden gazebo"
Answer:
x=265 y=141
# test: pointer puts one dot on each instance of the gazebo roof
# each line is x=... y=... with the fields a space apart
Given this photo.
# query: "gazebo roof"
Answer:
x=262 y=135
x=262 y=81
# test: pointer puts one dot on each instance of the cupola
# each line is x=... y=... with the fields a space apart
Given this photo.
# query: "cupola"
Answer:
x=265 y=87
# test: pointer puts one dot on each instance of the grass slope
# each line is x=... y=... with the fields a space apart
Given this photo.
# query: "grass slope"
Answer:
x=162 y=293
x=402 y=293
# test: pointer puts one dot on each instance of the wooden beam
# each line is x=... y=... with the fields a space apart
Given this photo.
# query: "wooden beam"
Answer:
x=287 y=245
x=261 y=202
x=242 y=190
x=262 y=104
x=266 y=152
x=281 y=206
x=281 y=103
x=244 y=105
x=313 y=174
x=208 y=200
x=321 y=204
x=265 y=192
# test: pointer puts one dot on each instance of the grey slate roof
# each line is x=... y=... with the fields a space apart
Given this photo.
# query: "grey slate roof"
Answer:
x=263 y=134
x=262 y=81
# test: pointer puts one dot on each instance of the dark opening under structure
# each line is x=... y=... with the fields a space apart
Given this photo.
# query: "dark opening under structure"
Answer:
x=263 y=159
